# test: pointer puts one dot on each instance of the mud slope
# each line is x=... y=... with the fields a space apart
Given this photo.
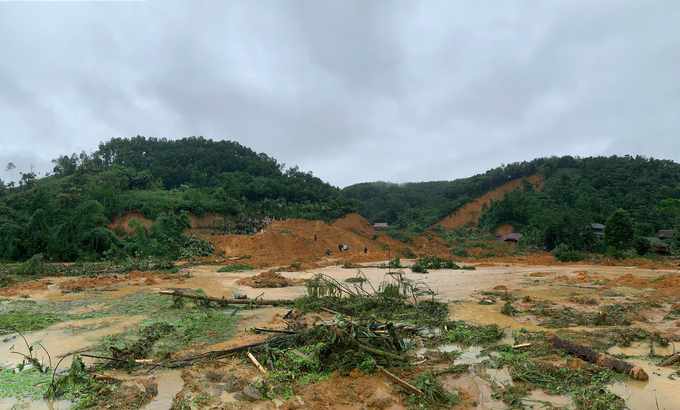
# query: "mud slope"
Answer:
x=291 y=241
x=470 y=212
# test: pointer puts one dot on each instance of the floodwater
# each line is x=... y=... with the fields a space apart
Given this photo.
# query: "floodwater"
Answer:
x=454 y=286
x=63 y=338
x=642 y=395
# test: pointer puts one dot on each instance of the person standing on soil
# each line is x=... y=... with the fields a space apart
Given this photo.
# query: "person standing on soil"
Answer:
x=340 y=247
x=346 y=248
x=328 y=252
x=314 y=237
x=366 y=249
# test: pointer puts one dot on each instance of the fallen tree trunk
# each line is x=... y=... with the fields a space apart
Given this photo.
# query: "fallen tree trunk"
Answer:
x=671 y=360
x=227 y=301
x=601 y=359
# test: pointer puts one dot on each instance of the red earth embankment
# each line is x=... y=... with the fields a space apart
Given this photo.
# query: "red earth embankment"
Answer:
x=470 y=212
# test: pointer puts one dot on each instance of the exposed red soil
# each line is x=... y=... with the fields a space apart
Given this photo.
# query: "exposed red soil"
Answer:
x=582 y=277
x=268 y=279
x=292 y=241
x=78 y=285
x=470 y=212
x=27 y=288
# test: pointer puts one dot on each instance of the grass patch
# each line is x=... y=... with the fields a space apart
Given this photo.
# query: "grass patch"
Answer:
x=465 y=334
x=241 y=267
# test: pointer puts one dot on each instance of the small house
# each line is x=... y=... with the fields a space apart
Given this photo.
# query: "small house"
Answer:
x=380 y=225
x=667 y=233
x=598 y=229
x=513 y=237
x=658 y=245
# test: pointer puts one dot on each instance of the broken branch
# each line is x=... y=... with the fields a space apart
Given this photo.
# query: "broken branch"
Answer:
x=413 y=389
x=227 y=301
x=256 y=363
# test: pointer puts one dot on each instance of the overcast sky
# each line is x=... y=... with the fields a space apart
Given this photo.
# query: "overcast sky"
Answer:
x=353 y=91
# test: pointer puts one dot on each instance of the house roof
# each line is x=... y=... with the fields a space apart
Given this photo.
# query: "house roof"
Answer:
x=667 y=233
x=656 y=242
x=380 y=225
x=597 y=226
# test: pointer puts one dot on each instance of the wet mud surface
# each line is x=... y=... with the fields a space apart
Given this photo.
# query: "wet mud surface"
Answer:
x=576 y=288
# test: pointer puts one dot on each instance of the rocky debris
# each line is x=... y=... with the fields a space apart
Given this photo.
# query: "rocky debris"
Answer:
x=249 y=393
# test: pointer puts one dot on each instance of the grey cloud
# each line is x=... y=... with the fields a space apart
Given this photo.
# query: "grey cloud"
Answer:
x=351 y=90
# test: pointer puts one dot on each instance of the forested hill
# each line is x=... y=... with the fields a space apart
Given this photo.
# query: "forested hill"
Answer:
x=64 y=214
x=422 y=204
x=577 y=192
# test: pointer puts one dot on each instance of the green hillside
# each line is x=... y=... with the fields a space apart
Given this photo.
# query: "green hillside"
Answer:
x=577 y=192
x=64 y=215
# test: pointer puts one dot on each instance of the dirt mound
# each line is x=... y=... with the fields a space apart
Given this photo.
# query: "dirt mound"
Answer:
x=79 y=285
x=582 y=277
x=470 y=212
x=540 y=274
x=292 y=241
x=357 y=224
x=665 y=285
x=268 y=279
x=24 y=288
x=631 y=280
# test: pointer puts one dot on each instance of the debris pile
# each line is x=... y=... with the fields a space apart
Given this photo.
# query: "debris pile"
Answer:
x=268 y=279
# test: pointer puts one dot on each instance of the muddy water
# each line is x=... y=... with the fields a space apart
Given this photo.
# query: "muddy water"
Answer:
x=487 y=315
x=659 y=389
x=12 y=404
x=641 y=349
x=169 y=384
x=65 y=337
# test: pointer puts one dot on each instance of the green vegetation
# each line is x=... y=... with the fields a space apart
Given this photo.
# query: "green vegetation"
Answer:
x=64 y=216
x=465 y=334
x=424 y=263
x=240 y=267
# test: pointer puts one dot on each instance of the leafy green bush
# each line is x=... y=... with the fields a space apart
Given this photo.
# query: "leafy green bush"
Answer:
x=193 y=246
x=241 y=267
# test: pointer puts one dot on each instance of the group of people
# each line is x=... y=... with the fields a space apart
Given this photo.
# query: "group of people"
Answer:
x=342 y=247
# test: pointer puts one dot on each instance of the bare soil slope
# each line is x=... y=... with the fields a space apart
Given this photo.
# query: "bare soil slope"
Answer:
x=292 y=241
x=470 y=212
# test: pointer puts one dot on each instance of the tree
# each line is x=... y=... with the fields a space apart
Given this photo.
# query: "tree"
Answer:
x=618 y=230
x=9 y=168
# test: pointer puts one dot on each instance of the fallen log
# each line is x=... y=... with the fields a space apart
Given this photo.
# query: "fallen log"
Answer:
x=285 y=332
x=404 y=384
x=227 y=301
x=671 y=360
x=601 y=359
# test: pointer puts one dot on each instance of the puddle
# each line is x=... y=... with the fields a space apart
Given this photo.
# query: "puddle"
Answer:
x=11 y=404
x=641 y=349
x=539 y=395
x=169 y=384
x=487 y=315
x=61 y=338
x=659 y=389
x=500 y=376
